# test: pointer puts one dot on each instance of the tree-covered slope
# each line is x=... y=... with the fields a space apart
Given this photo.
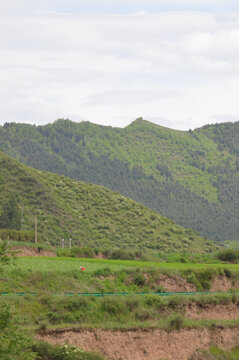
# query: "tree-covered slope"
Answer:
x=89 y=214
x=191 y=177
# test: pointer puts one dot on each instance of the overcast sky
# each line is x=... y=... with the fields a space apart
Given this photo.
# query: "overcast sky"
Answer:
x=173 y=62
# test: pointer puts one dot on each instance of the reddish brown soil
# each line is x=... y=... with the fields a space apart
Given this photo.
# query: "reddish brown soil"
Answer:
x=31 y=251
x=144 y=344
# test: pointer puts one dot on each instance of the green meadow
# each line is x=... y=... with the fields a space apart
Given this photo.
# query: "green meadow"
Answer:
x=69 y=264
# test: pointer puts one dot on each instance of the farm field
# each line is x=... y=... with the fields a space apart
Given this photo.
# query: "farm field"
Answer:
x=56 y=318
x=69 y=264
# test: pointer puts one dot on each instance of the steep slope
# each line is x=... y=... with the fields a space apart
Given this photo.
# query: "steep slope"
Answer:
x=191 y=177
x=91 y=215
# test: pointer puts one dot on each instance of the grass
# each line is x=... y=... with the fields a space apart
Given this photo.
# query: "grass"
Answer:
x=70 y=264
x=215 y=353
x=110 y=313
x=49 y=276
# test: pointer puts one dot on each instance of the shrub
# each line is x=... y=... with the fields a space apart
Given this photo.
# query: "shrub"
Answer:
x=113 y=305
x=175 y=322
x=53 y=317
x=18 y=235
x=143 y=314
x=228 y=273
x=139 y=280
x=120 y=254
x=132 y=302
x=47 y=351
x=103 y=272
x=43 y=325
x=229 y=255
x=74 y=303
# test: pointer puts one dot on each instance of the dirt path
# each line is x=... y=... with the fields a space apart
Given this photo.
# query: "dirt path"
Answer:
x=145 y=344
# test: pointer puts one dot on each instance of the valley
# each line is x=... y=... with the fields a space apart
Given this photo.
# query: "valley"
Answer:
x=108 y=277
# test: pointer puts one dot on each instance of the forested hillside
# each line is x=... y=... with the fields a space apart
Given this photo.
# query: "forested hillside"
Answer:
x=191 y=177
x=88 y=214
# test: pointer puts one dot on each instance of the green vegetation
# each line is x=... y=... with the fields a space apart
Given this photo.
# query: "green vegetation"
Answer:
x=51 y=278
x=88 y=214
x=6 y=254
x=215 y=353
x=191 y=177
x=45 y=351
x=17 y=235
x=229 y=255
x=14 y=342
x=70 y=264
x=50 y=308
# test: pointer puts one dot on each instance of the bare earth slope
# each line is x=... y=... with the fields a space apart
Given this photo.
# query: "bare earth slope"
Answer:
x=145 y=344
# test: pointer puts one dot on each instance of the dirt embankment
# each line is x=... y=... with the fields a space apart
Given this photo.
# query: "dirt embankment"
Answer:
x=222 y=283
x=212 y=312
x=32 y=251
x=145 y=344
x=175 y=284
x=178 y=284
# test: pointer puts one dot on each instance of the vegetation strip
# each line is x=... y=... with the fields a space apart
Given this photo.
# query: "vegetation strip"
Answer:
x=123 y=294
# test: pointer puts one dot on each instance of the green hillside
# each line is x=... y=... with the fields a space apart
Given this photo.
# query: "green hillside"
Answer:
x=191 y=177
x=89 y=214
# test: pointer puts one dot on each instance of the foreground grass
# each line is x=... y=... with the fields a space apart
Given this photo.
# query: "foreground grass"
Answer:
x=121 y=312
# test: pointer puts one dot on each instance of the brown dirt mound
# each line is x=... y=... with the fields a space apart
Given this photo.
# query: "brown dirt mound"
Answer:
x=32 y=251
x=176 y=284
x=144 y=344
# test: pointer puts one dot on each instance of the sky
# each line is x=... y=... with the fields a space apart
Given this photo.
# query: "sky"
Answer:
x=172 y=62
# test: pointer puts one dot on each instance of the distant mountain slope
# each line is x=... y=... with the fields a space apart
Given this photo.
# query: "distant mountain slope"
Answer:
x=90 y=214
x=191 y=177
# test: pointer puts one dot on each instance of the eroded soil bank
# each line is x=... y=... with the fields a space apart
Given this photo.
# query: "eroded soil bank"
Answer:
x=212 y=312
x=144 y=344
x=32 y=251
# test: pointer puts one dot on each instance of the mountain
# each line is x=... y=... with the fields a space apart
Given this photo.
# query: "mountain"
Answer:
x=89 y=214
x=189 y=176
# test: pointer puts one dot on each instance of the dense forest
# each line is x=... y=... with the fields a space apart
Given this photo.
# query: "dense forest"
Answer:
x=191 y=177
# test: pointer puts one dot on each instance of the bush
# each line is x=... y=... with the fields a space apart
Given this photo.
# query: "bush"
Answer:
x=229 y=255
x=113 y=305
x=139 y=280
x=43 y=325
x=18 y=235
x=175 y=322
x=47 y=351
x=121 y=255
x=143 y=314
x=103 y=272
x=74 y=303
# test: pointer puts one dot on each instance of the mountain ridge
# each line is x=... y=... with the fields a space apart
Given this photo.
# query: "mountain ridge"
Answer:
x=189 y=176
x=89 y=214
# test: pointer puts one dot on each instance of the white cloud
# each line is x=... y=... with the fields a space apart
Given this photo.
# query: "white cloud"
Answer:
x=180 y=66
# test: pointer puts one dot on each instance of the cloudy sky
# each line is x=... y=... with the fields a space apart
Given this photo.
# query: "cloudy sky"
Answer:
x=173 y=62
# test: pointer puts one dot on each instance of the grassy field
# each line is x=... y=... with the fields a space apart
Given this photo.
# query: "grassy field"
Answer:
x=71 y=264
x=49 y=277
